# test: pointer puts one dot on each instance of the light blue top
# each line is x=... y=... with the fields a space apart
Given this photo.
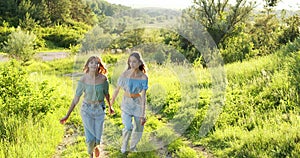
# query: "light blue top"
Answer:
x=132 y=85
x=92 y=92
x=132 y=106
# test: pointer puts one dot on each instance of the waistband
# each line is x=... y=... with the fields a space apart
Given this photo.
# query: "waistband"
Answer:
x=93 y=102
x=131 y=95
x=95 y=105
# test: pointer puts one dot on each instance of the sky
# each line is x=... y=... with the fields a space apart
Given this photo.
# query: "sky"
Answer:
x=182 y=4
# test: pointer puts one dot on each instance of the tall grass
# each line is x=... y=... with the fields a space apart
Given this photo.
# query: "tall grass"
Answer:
x=33 y=139
x=261 y=112
x=37 y=133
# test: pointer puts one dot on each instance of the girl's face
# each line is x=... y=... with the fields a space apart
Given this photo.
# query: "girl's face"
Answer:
x=93 y=65
x=134 y=62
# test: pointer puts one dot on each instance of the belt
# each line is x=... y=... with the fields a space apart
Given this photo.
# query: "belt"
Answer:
x=131 y=95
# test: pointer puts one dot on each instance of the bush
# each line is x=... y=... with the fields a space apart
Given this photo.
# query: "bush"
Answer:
x=20 y=45
x=22 y=97
x=159 y=57
x=63 y=36
x=109 y=59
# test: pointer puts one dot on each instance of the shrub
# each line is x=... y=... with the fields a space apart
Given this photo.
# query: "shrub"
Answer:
x=109 y=59
x=63 y=36
x=22 y=97
x=20 y=45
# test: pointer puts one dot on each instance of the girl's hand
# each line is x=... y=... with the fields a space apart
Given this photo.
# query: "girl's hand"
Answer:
x=143 y=120
x=111 y=102
x=63 y=120
x=111 y=110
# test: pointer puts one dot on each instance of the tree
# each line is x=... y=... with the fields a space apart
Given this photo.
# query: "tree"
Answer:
x=265 y=32
x=40 y=13
x=81 y=12
x=59 y=10
x=134 y=37
x=8 y=12
x=219 y=18
x=271 y=3
x=291 y=30
x=95 y=40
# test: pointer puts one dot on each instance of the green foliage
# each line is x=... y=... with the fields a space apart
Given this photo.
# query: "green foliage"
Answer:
x=29 y=111
x=261 y=109
x=275 y=139
x=130 y=38
x=20 y=45
x=95 y=39
x=63 y=36
x=219 y=18
x=59 y=67
x=81 y=12
x=176 y=145
x=294 y=73
x=22 y=97
x=290 y=48
x=74 y=49
x=186 y=152
x=5 y=31
x=46 y=13
x=31 y=138
x=265 y=33
x=27 y=105
x=238 y=47
x=179 y=149
x=159 y=57
x=100 y=8
x=109 y=59
x=27 y=23
x=271 y=3
x=290 y=29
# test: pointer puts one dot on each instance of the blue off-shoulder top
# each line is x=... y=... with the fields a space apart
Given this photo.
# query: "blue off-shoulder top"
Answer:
x=92 y=92
x=132 y=85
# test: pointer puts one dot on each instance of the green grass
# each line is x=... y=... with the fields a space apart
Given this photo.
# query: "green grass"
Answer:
x=260 y=116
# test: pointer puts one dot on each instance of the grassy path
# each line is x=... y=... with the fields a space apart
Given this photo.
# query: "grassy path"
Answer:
x=70 y=137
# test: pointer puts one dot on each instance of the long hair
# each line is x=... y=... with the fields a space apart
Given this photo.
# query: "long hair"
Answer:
x=137 y=55
x=101 y=68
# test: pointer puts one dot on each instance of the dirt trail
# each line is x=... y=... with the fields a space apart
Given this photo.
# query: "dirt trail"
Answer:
x=202 y=150
x=48 y=56
x=45 y=56
x=70 y=137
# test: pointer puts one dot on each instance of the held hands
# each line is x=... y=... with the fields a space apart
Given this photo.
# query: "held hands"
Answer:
x=143 y=120
x=111 y=102
x=111 y=110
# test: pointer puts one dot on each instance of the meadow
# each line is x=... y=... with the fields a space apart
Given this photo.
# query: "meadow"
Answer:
x=258 y=116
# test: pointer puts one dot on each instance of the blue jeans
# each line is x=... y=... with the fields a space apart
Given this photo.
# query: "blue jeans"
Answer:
x=93 y=121
x=135 y=131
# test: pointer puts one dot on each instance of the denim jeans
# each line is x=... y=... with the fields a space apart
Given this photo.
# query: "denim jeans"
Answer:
x=93 y=121
x=135 y=131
